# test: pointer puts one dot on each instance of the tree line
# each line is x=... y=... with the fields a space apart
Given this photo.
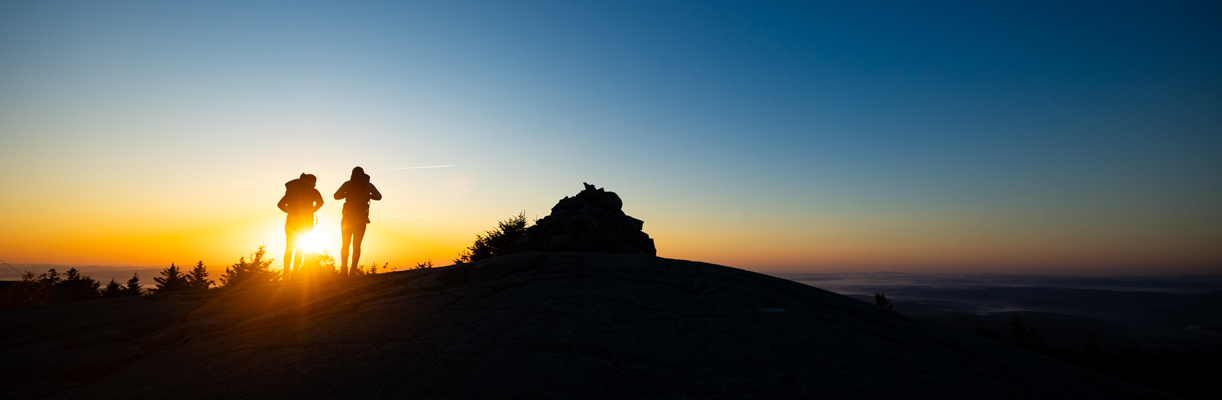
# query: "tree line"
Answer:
x=51 y=287
x=1185 y=373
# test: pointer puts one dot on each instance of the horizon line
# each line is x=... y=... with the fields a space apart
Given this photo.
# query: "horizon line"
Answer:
x=423 y=167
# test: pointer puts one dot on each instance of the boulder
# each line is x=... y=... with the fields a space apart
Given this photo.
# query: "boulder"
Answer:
x=591 y=221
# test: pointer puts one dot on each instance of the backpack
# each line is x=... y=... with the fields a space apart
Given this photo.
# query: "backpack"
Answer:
x=297 y=195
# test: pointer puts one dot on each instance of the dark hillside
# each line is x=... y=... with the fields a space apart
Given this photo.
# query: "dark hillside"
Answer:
x=528 y=325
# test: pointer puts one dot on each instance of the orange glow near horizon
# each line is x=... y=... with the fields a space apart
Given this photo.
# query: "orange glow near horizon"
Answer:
x=427 y=219
x=747 y=135
x=158 y=240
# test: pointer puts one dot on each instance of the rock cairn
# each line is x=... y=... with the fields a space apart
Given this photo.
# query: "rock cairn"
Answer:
x=590 y=221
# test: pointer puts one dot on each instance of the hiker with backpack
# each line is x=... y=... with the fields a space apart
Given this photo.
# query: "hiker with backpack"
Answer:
x=358 y=192
x=301 y=200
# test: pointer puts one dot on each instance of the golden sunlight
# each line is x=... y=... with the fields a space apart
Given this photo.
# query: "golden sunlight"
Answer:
x=315 y=242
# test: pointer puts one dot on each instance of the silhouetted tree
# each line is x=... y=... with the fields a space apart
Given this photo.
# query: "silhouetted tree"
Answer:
x=496 y=242
x=1018 y=331
x=30 y=291
x=198 y=278
x=1092 y=346
x=424 y=265
x=882 y=301
x=171 y=280
x=113 y=290
x=372 y=270
x=50 y=277
x=257 y=270
x=80 y=287
x=988 y=333
x=317 y=265
x=1187 y=373
x=1026 y=337
x=1038 y=343
x=132 y=289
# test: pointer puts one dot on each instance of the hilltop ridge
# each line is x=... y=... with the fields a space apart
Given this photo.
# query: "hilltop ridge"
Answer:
x=527 y=325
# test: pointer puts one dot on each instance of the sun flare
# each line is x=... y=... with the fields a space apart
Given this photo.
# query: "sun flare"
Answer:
x=315 y=242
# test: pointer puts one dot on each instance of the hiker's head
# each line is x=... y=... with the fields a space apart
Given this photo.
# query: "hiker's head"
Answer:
x=309 y=179
x=358 y=175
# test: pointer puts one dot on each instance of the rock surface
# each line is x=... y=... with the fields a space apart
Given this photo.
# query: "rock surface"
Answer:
x=523 y=326
x=591 y=221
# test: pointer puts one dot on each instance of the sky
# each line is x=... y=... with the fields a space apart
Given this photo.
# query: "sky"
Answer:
x=999 y=137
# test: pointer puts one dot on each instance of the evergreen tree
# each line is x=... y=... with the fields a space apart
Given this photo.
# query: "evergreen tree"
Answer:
x=1039 y=343
x=113 y=290
x=1092 y=346
x=170 y=281
x=80 y=287
x=198 y=278
x=882 y=301
x=1018 y=331
x=50 y=277
x=257 y=270
x=1026 y=337
x=133 y=286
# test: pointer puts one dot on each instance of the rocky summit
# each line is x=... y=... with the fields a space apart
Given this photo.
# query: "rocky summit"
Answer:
x=561 y=325
x=591 y=221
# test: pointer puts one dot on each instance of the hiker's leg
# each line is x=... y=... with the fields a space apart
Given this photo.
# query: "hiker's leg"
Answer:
x=346 y=235
x=299 y=251
x=358 y=235
x=298 y=254
x=290 y=243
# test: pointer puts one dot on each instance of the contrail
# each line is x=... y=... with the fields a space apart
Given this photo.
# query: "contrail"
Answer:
x=427 y=166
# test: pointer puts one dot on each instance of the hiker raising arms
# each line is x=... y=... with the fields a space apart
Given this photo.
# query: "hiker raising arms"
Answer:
x=359 y=192
x=301 y=200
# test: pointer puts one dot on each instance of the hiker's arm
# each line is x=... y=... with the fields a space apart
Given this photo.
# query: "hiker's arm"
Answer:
x=339 y=194
x=284 y=203
x=317 y=200
x=374 y=194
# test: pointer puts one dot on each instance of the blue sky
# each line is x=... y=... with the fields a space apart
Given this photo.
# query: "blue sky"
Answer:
x=788 y=136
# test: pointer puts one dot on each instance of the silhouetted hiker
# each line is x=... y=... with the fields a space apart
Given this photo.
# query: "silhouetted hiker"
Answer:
x=301 y=200
x=359 y=192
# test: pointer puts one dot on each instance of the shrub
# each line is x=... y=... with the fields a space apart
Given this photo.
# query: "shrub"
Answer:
x=988 y=333
x=372 y=270
x=256 y=270
x=30 y=291
x=496 y=242
x=882 y=301
x=320 y=265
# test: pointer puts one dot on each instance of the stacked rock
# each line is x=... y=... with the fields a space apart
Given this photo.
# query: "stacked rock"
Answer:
x=590 y=221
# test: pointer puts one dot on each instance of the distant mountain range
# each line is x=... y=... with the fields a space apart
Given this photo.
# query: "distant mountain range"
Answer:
x=1158 y=312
